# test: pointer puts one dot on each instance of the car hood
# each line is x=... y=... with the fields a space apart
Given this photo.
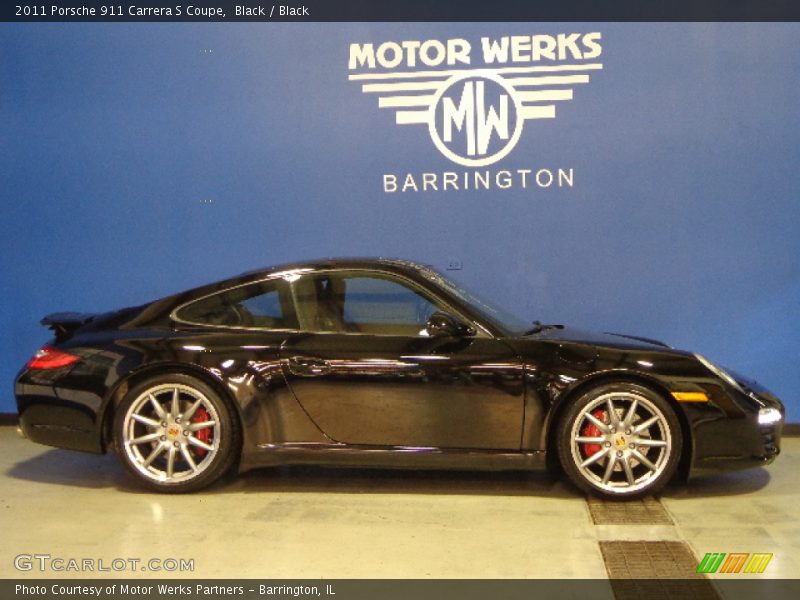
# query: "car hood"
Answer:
x=619 y=340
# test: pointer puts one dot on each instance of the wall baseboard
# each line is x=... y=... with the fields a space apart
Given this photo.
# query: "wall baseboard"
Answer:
x=8 y=418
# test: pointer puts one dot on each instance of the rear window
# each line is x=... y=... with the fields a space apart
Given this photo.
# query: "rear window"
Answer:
x=266 y=304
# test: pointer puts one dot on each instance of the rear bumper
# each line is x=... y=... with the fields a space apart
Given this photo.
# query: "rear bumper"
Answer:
x=55 y=414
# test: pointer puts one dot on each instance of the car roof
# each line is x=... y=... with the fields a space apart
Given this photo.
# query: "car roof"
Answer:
x=338 y=263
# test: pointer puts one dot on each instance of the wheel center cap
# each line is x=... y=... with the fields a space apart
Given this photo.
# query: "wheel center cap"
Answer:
x=173 y=431
x=620 y=442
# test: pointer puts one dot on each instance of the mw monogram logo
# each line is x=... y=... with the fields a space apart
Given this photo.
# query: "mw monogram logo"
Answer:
x=736 y=562
x=475 y=114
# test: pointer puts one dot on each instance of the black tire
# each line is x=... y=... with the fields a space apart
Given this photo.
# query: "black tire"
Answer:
x=607 y=463
x=181 y=452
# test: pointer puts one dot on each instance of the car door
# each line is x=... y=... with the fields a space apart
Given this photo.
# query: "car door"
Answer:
x=367 y=372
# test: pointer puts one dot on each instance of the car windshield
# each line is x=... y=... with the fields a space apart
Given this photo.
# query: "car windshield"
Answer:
x=498 y=316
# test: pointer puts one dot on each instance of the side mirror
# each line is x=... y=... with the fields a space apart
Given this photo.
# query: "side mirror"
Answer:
x=442 y=324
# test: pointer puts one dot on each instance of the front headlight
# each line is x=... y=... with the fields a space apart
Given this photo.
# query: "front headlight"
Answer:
x=769 y=416
x=719 y=372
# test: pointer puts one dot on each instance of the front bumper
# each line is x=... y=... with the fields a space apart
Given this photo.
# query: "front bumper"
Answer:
x=739 y=440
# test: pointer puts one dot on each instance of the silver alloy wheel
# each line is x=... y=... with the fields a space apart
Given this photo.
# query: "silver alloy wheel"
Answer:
x=621 y=442
x=163 y=437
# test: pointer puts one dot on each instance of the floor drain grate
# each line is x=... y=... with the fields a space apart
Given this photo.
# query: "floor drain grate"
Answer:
x=645 y=511
x=655 y=570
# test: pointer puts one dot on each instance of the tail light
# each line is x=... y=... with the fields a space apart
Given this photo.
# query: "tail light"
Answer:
x=50 y=358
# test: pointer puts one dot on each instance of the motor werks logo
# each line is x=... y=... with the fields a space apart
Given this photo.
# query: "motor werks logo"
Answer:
x=475 y=100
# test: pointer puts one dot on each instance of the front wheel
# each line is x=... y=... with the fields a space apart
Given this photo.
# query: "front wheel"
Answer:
x=173 y=433
x=620 y=440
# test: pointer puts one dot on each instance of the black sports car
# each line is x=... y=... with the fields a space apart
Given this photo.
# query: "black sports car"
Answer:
x=377 y=362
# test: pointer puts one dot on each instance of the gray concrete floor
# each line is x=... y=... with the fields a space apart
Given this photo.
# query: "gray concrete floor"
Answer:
x=326 y=523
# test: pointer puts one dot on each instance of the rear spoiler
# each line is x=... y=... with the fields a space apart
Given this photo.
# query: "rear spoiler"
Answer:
x=64 y=323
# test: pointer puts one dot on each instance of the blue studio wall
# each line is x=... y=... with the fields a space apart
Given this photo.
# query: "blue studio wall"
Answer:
x=142 y=159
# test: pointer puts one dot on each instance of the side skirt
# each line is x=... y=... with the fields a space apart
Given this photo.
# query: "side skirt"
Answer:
x=390 y=457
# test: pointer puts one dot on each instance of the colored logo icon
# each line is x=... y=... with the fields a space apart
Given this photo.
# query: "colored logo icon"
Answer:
x=734 y=562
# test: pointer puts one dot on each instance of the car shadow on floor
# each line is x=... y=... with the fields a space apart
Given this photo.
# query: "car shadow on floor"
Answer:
x=312 y=479
x=78 y=469
x=66 y=468
x=727 y=483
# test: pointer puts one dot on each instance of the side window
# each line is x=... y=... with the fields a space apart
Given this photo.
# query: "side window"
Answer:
x=266 y=304
x=361 y=303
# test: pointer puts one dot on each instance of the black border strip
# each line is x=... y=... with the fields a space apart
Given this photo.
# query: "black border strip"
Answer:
x=394 y=589
x=431 y=11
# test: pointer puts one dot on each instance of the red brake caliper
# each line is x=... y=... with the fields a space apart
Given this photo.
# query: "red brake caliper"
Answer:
x=204 y=435
x=592 y=430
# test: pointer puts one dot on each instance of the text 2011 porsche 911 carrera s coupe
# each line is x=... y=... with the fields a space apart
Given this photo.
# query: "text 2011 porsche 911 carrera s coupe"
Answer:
x=385 y=363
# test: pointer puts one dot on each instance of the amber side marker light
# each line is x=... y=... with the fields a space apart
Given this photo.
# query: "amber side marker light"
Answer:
x=690 y=396
x=50 y=358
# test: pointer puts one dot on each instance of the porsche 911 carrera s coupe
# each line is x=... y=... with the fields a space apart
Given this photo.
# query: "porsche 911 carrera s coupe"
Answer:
x=381 y=363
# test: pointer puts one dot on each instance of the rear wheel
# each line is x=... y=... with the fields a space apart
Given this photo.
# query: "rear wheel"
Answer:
x=175 y=434
x=620 y=440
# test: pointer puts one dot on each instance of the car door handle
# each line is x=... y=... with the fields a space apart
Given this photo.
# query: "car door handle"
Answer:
x=308 y=367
